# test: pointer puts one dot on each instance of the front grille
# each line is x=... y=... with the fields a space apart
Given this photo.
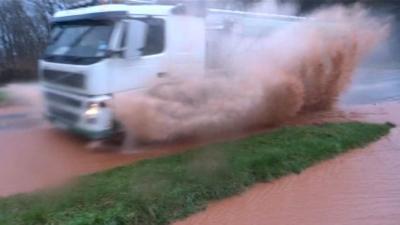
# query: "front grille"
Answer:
x=63 y=115
x=75 y=80
x=60 y=99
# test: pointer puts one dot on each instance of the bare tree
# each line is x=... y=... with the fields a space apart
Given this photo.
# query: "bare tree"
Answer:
x=24 y=29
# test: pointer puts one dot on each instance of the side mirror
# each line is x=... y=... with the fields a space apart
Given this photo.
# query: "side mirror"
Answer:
x=135 y=38
x=115 y=52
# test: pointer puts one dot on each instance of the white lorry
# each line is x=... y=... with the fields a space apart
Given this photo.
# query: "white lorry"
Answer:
x=99 y=51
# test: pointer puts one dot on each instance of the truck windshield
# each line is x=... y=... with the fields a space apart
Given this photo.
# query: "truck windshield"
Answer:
x=79 y=42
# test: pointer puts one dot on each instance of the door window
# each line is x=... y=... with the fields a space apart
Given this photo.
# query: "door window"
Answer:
x=155 y=40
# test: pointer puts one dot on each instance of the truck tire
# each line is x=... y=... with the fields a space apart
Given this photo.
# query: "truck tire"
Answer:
x=119 y=134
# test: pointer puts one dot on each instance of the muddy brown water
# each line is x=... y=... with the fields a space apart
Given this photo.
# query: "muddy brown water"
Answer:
x=33 y=155
x=361 y=187
x=39 y=158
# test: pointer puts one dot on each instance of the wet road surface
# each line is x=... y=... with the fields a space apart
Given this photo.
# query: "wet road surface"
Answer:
x=362 y=187
x=371 y=86
x=37 y=158
x=34 y=155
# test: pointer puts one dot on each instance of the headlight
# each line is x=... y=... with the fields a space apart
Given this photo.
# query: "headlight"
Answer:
x=93 y=110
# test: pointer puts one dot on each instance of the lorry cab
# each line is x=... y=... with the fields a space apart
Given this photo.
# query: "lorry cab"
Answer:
x=97 y=52
x=100 y=55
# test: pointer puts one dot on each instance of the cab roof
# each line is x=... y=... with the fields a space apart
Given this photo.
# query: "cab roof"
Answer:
x=112 y=11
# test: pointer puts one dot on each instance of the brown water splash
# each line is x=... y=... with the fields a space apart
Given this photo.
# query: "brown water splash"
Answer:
x=303 y=67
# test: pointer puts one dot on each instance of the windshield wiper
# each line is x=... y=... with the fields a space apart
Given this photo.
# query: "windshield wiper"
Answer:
x=49 y=57
x=79 y=59
x=76 y=59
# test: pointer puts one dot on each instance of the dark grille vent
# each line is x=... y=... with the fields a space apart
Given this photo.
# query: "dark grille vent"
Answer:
x=63 y=115
x=75 y=80
x=63 y=100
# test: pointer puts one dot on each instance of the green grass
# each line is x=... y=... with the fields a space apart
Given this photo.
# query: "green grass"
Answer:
x=158 y=191
x=3 y=97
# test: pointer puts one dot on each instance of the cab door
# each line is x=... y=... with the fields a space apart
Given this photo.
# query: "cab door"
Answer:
x=144 y=43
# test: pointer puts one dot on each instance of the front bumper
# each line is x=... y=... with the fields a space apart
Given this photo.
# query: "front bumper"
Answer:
x=86 y=133
x=93 y=135
x=68 y=111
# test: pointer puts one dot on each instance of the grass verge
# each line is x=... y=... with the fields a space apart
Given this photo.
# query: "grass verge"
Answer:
x=3 y=97
x=158 y=191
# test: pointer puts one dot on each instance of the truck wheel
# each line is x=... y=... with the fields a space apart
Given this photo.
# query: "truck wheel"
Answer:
x=117 y=139
x=119 y=135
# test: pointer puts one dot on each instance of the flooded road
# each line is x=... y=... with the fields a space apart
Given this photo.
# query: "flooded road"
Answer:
x=45 y=157
x=371 y=86
x=34 y=155
x=362 y=187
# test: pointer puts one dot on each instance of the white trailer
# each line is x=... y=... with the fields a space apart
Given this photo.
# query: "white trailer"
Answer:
x=99 y=52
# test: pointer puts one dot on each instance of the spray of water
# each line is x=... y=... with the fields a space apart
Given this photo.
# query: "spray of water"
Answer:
x=301 y=68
